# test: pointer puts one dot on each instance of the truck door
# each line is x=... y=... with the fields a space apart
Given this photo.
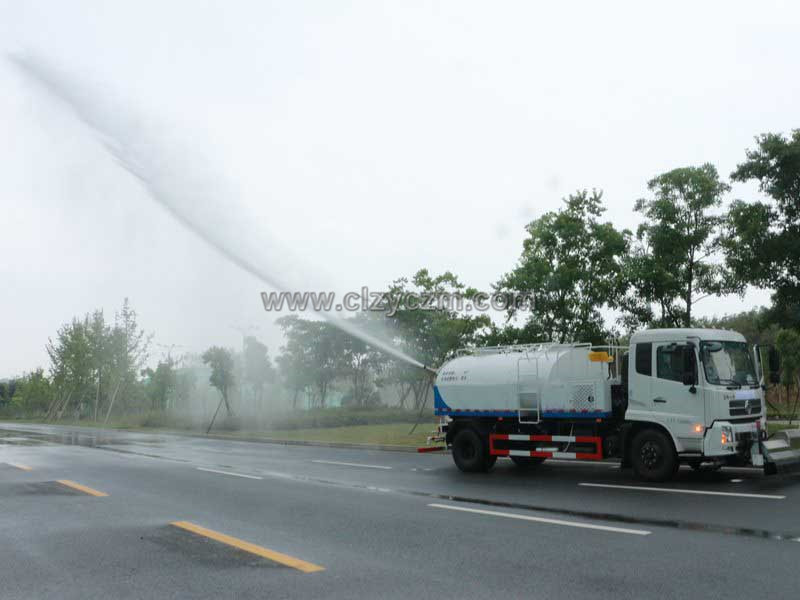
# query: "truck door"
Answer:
x=675 y=403
x=640 y=373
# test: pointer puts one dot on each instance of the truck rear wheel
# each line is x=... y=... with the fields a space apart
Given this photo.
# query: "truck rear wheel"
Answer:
x=470 y=452
x=652 y=456
x=526 y=462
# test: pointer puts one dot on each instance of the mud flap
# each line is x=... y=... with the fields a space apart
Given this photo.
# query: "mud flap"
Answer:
x=782 y=452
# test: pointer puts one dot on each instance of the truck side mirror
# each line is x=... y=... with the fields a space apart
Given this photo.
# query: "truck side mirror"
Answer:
x=774 y=360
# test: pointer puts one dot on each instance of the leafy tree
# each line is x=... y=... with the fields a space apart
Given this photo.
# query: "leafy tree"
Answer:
x=763 y=244
x=360 y=363
x=220 y=360
x=571 y=263
x=71 y=366
x=294 y=364
x=126 y=348
x=755 y=325
x=98 y=334
x=258 y=370
x=788 y=345
x=33 y=393
x=185 y=384
x=673 y=265
x=311 y=356
x=429 y=334
x=161 y=383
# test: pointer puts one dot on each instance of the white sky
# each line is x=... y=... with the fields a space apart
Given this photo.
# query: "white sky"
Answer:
x=371 y=138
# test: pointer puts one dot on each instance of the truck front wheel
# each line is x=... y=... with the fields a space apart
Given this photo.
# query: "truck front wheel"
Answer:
x=470 y=452
x=652 y=456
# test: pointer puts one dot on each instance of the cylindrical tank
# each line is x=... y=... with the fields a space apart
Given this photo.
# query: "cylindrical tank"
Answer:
x=545 y=381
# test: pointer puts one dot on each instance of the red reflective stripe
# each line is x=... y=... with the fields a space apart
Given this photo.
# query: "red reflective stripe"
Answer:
x=495 y=452
x=541 y=438
x=597 y=454
x=587 y=456
x=542 y=454
x=499 y=436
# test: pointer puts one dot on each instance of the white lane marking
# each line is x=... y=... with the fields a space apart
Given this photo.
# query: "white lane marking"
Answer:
x=737 y=480
x=229 y=473
x=591 y=463
x=682 y=491
x=494 y=513
x=347 y=464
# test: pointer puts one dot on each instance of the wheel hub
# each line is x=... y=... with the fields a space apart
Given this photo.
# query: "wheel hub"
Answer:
x=650 y=455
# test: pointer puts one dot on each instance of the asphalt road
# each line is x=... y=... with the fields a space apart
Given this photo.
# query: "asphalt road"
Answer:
x=280 y=521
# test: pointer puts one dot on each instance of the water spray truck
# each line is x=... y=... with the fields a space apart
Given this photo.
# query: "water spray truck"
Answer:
x=693 y=396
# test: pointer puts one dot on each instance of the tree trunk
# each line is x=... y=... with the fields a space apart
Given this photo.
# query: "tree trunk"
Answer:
x=97 y=397
x=111 y=404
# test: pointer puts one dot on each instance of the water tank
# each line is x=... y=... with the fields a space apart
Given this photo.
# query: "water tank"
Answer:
x=542 y=381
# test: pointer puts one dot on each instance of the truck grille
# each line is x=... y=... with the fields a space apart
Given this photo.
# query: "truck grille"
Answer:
x=744 y=408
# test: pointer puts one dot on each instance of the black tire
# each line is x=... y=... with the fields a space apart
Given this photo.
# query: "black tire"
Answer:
x=653 y=456
x=527 y=462
x=470 y=452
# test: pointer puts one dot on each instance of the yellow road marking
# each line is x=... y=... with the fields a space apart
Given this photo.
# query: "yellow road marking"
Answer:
x=20 y=466
x=81 y=488
x=278 y=557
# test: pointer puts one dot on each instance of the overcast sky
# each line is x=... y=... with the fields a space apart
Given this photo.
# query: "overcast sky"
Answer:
x=371 y=138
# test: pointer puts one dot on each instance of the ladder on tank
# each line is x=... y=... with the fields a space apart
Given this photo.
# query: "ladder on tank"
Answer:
x=528 y=390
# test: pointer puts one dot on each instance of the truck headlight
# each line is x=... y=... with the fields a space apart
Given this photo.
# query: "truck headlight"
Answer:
x=726 y=436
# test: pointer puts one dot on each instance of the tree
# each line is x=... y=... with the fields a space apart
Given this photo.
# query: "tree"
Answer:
x=431 y=334
x=310 y=356
x=762 y=246
x=98 y=334
x=71 y=366
x=360 y=362
x=127 y=348
x=258 y=371
x=161 y=383
x=293 y=364
x=33 y=393
x=755 y=325
x=674 y=264
x=220 y=360
x=788 y=345
x=571 y=264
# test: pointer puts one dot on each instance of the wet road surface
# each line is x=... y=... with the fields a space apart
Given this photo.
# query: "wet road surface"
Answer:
x=91 y=513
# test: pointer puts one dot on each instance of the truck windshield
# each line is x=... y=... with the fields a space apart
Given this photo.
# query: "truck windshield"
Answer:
x=727 y=363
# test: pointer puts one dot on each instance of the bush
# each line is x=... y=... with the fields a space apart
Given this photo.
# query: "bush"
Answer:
x=341 y=417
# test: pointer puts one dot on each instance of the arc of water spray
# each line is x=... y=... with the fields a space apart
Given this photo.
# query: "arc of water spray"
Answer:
x=168 y=176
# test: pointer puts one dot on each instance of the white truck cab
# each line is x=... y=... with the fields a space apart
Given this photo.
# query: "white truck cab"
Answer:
x=701 y=386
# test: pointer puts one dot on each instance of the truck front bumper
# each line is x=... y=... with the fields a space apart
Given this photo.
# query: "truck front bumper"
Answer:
x=782 y=452
x=746 y=444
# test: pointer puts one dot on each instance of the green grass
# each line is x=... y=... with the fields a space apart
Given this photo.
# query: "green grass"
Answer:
x=390 y=434
x=773 y=427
